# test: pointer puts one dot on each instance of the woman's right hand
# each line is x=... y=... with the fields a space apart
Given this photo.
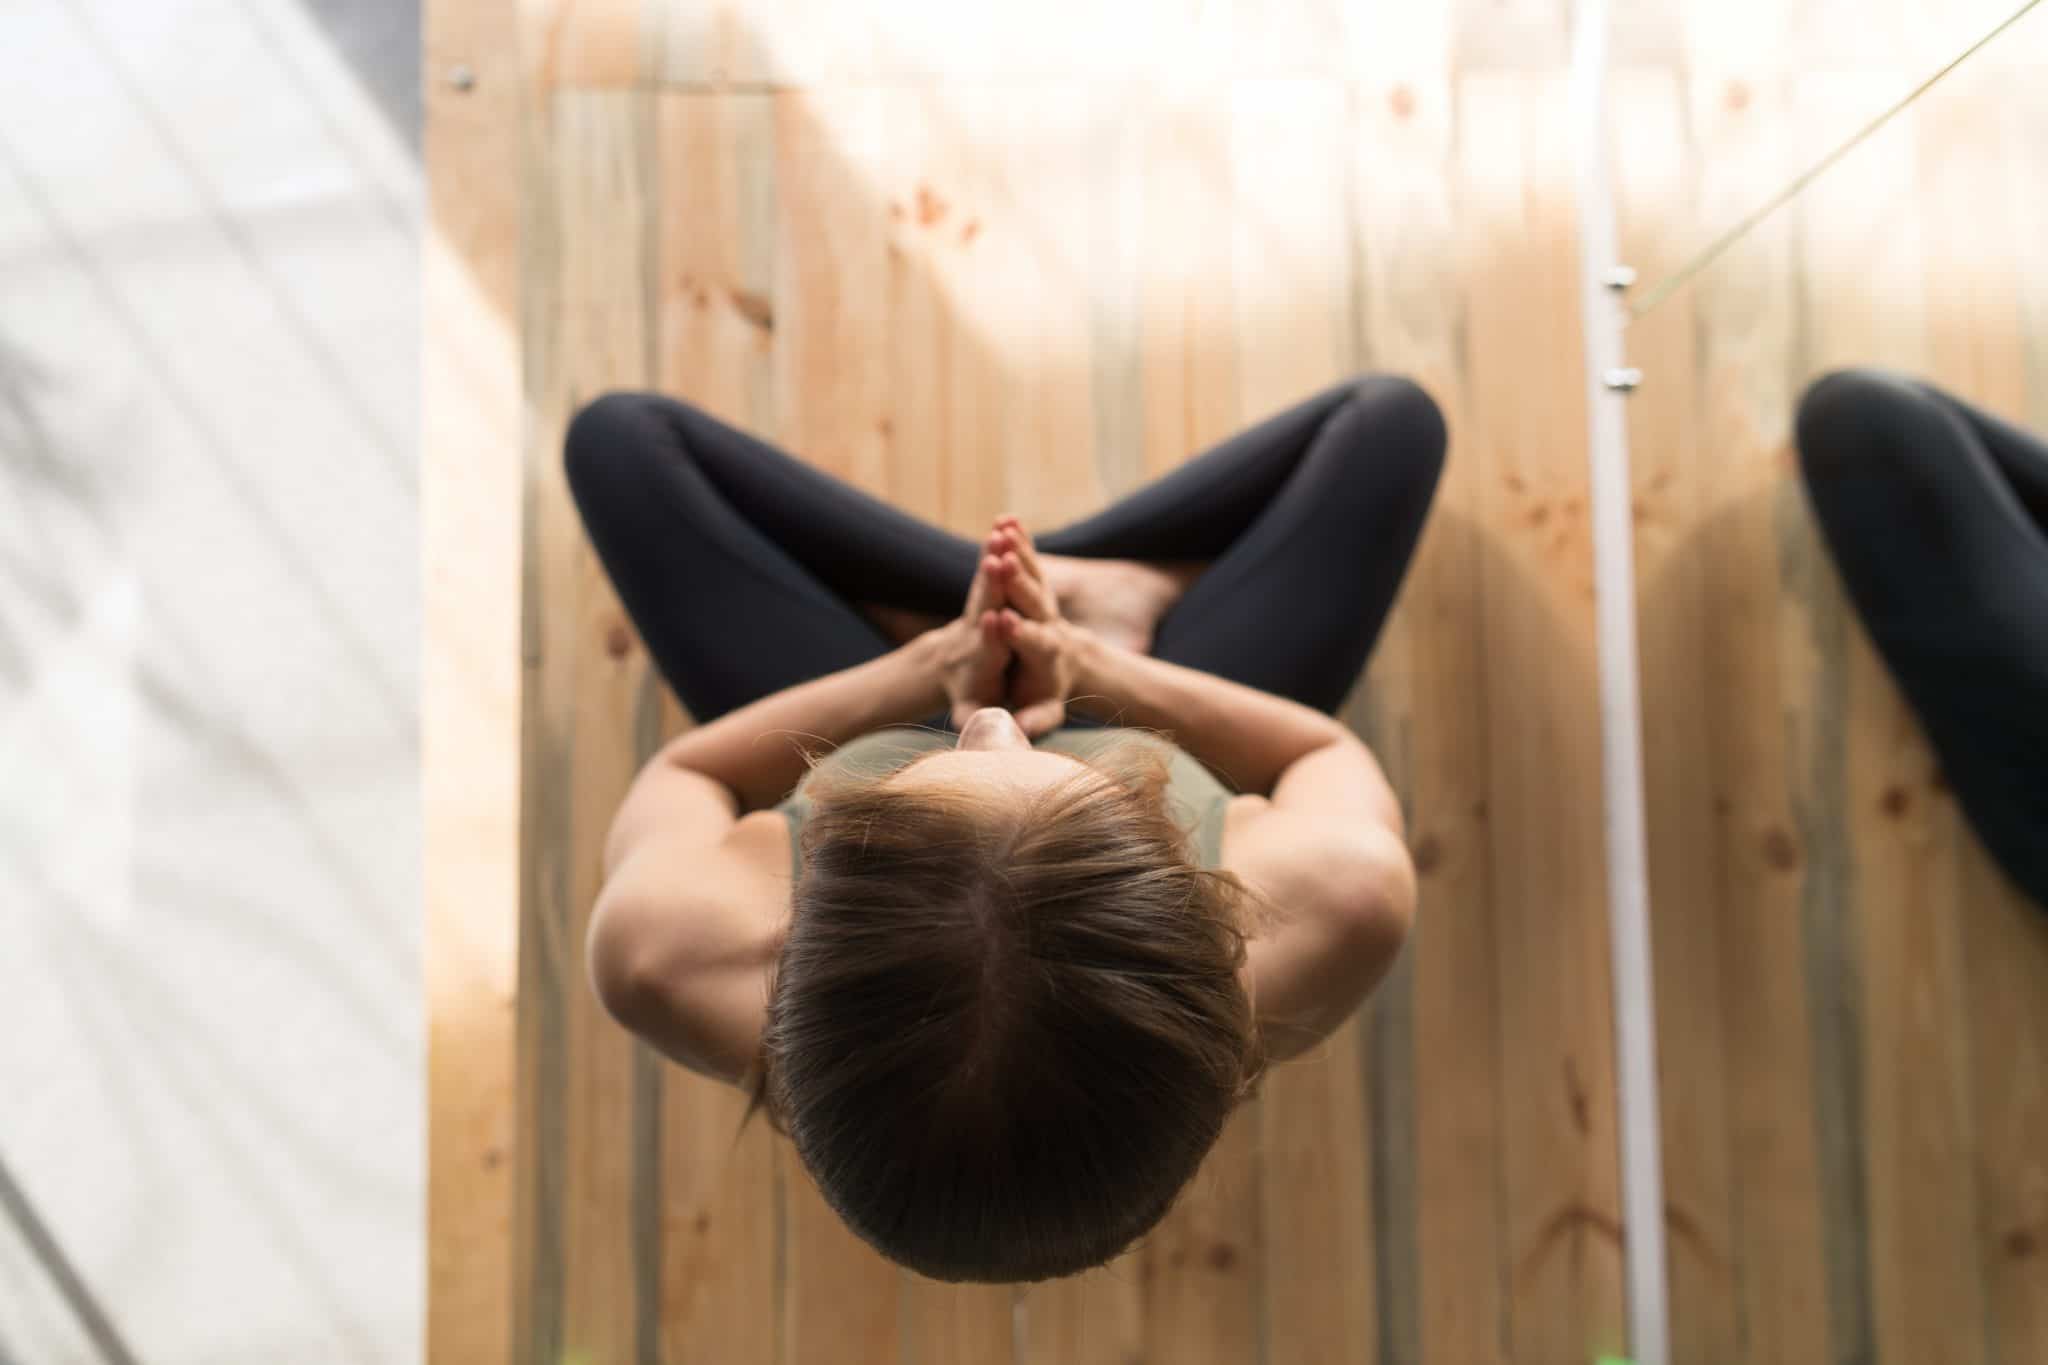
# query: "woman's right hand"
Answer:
x=1045 y=644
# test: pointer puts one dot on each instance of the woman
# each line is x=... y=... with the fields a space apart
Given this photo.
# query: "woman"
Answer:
x=1936 y=513
x=1002 y=987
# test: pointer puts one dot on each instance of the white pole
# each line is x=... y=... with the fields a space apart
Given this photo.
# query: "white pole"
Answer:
x=1628 y=921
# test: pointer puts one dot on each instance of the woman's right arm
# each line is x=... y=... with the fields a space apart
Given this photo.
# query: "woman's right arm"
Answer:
x=1327 y=855
x=1249 y=737
x=689 y=917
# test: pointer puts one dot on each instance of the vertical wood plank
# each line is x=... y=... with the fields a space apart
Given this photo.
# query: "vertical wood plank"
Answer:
x=1746 y=1215
x=1294 y=295
x=470 y=494
x=1527 y=433
x=589 y=44
x=1864 y=253
x=1095 y=1318
x=948 y=1322
x=2006 y=935
x=831 y=282
x=548 y=534
x=1200 y=1267
x=721 y=1294
x=1449 y=1302
x=589 y=335
x=1187 y=364
x=1977 y=283
x=1747 y=326
x=842 y=1301
x=1040 y=228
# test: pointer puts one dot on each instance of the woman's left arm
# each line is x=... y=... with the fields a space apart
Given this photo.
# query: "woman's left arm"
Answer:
x=755 y=750
x=687 y=922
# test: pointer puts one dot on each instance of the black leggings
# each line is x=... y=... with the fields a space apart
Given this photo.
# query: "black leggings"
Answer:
x=740 y=565
x=1937 y=516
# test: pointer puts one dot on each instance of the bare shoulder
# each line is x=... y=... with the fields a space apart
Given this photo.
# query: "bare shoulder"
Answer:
x=748 y=870
x=759 y=845
x=1333 y=904
x=683 y=939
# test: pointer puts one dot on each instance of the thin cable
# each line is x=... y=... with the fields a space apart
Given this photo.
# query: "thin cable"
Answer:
x=1675 y=281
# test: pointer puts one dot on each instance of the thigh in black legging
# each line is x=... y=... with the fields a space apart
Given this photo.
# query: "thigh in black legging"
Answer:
x=1310 y=517
x=1197 y=510
x=1947 y=566
x=729 y=614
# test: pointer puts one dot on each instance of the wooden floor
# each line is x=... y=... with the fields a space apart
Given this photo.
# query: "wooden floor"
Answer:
x=1025 y=262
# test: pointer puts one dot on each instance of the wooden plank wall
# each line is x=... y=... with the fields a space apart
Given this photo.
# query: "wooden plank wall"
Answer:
x=1852 y=1027
x=1014 y=294
x=471 y=495
x=1024 y=258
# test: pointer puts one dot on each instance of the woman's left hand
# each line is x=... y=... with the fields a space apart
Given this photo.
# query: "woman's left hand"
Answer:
x=973 y=656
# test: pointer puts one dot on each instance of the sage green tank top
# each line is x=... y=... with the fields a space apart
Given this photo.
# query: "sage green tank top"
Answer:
x=1194 y=795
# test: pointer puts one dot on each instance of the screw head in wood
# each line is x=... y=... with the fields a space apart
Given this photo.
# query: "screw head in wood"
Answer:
x=1622 y=381
x=462 y=78
x=1618 y=277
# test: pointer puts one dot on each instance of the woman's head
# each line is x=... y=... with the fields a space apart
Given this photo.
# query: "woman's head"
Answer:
x=1007 y=1022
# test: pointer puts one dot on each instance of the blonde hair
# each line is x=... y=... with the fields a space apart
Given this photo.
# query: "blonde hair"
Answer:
x=1003 y=1030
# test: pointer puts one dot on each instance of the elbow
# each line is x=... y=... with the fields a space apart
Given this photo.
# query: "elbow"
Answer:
x=622 y=974
x=1378 y=897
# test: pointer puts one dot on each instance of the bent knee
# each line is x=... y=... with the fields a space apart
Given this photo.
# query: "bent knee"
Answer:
x=1402 y=423
x=1403 y=405
x=1861 y=421
x=603 y=435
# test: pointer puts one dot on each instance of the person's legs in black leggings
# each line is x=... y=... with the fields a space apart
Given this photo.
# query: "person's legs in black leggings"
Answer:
x=1936 y=515
x=1311 y=518
x=740 y=564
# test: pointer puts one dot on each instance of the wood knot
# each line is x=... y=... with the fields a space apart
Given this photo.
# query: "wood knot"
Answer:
x=970 y=231
x=755 y=308
x=618 y=641
x=1779 y=849
x=1576 y=1096
x=702 y=1224
x=1736 y=96
x=1222 y=1256
x=2020 y=1244
x=494 y=1157
x=1895 y=802
x=1428 y=854
x=930 y=208
x=1401 y=100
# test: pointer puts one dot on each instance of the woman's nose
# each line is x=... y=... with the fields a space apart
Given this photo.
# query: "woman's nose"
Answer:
x=989 y=728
